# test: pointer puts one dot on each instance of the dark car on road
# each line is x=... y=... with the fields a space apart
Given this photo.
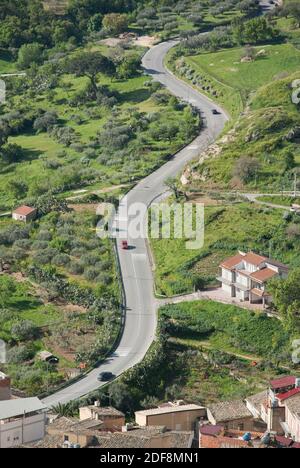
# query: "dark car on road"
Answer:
x=105 y=376
x=215 y=112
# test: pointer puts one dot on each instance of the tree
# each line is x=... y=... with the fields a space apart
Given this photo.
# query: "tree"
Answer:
x=65 y=409
x=292 y=8
x=115 y=23
x=172 y=184
x=246 y=168
x=7 y=289
x=288 y=160
x=254 y=31
x=285 y=292
x=18 y=188
x=129 y=66
x=89 y=64
x=29 y=54
x=11 y=153
x=24 y=330
x=46 y=121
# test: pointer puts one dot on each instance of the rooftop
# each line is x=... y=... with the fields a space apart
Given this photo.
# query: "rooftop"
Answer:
x=282 y=382
x=293 y=404
x=142 y=437
x=258 y=399
x=231 y=262
x=106 y=411
x=19 y=407
x=229 y=411
x=254 y=259
x=24 y=210
x=263 y=275
x=169 y=409
x=289 y=394
x=211 y=430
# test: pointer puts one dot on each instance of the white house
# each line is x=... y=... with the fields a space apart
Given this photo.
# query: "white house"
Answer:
x=21 y=421
x=245 y=276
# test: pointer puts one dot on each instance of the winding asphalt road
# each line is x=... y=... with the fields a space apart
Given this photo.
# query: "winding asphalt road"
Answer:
x=141 y=305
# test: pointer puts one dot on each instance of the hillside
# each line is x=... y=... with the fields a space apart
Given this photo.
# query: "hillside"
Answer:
x=267 y=132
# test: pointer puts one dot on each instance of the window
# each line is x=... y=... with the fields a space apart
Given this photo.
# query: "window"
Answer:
x=66 y=438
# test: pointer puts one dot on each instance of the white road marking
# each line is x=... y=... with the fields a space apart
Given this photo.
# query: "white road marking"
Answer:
x=121 y=352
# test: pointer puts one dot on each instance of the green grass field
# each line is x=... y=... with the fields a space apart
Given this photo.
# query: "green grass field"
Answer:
x=40 y=148
x=228 y=228
x=6 y=63
x=235 y=80
x=227 y=328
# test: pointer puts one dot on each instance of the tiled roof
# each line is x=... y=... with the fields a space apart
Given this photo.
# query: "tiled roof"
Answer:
x=283 y=441
x=170 y=409
x=286 y=381
x=287 y=395
x=144 y=437
x=211 y=429
x=231 y=262
x=254 y=259
x=106 y=411
x=24 y=210
x=258 y=399
x=259 y=292
x=263 y=275
x=229 y=411
x=293 y=404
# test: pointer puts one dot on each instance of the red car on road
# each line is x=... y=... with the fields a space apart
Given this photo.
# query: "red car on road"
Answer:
x=124 y=245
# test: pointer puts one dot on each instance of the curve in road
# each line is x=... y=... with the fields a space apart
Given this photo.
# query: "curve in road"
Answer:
x=141 y=313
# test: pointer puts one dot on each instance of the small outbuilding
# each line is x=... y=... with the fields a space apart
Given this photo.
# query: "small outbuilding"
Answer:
x=24 y=213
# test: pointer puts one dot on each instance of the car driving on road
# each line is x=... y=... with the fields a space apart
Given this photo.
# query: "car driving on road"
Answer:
x=105 y=376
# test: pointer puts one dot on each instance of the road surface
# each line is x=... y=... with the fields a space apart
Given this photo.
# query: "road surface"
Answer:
x=141 y=312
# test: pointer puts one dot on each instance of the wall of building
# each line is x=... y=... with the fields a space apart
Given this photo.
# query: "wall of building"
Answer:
x=22 y=430
x=85 y=413
x=5 y=392
x=227 y=289
x=293 y=422
x=242 y=279
x=226 y=274
x=177 y=421
x=113 y=423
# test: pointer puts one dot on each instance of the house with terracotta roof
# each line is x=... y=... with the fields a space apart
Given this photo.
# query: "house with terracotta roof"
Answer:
x=245 y=277
x=24 y=213
x=112 y=419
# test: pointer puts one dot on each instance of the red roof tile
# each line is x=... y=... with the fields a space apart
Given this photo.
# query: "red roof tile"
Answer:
x=263 y=275
x=209 y=429
x=284 y=441
x=254 y=259
x=285 y=396
x=24 y=210
x=231 y=262
x=283 y=382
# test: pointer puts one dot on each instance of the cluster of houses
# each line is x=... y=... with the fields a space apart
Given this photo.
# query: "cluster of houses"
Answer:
x=270 y=419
